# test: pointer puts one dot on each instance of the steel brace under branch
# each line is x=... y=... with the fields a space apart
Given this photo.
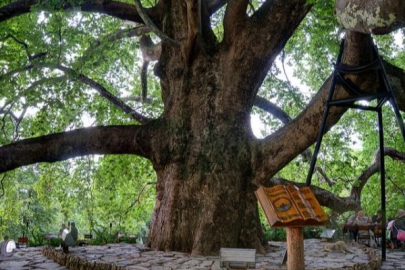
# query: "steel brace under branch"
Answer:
x=383 y=94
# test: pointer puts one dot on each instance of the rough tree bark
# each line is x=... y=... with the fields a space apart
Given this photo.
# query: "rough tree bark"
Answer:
x=205 y=196
x=207 y=161
x=377 y=16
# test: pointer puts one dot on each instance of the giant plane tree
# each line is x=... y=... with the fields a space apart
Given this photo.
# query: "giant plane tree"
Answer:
x=210 y=59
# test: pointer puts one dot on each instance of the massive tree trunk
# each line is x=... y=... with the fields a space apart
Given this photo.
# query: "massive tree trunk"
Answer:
x=207 y=201
x=205 y=196
x=205 y=192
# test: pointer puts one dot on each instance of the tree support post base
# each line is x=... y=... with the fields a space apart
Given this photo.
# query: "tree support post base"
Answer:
x=295 y=248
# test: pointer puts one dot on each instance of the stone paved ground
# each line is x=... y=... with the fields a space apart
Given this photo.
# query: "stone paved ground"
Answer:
x=395 y=260
x=134 y=257
x=28 y=259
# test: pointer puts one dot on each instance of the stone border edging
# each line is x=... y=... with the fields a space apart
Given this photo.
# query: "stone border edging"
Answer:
x=75 y=263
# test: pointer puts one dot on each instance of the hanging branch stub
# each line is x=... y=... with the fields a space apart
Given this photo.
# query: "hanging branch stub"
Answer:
x=147 y=20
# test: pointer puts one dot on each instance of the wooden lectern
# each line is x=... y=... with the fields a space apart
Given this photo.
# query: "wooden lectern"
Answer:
x=293 y=208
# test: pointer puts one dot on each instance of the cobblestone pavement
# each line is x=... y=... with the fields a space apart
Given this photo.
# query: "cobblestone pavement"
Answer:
x=28 y=259
x=395 y=260
x=135 y=257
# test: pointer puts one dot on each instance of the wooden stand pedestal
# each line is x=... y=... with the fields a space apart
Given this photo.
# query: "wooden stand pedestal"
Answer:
x=295 y=248
x=292 y=208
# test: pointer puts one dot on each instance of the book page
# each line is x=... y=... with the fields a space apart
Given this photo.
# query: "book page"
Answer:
x=301 y=203
x=306 y=192
x=282 y=204
x=265 y=203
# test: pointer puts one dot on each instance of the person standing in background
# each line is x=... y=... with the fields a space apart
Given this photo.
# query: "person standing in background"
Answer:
x=74 y=231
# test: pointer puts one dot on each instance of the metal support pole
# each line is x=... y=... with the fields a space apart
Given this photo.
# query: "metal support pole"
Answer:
x=324 y=117
x=351 y=100
x=382 y=98
x=321 y=131
x=359 y=107
x=382 y=174
x=398 y=116
x=382 y=101
x=394 y=103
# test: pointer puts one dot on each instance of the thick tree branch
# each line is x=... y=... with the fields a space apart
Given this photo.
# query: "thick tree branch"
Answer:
x=273 y=109
x=371 y=17
x=325 y=198
x=257 y=42
x=61 y=146
x=235 y=19
x=270 y=31
x=292 y=139
x=281 y=115
x=115 y=9
x=300 y=126
x=362 y=179
x=277 y=150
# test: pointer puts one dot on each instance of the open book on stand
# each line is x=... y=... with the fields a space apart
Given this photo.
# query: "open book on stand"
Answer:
x=290 y=206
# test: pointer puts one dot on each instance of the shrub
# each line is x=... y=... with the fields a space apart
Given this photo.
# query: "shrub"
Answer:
x=37 y=238
x=55 y=242
x=275 y=234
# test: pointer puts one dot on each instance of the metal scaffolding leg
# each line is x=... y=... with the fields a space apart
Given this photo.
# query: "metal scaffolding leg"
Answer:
x=392 y=99
x=382 y=174
x=384 y=94
x=321 y=132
